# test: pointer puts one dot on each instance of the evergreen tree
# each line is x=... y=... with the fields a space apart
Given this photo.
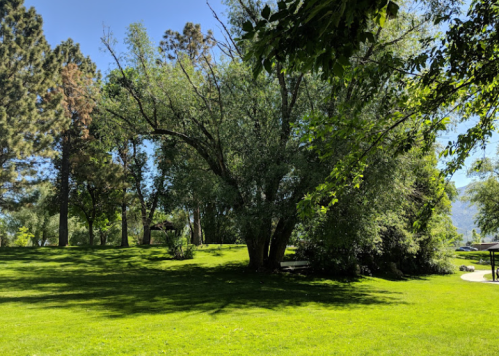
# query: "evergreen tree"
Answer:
x=29 y=112
x=77 y=73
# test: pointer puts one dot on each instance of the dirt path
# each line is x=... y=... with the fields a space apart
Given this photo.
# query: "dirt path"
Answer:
x=477 y=276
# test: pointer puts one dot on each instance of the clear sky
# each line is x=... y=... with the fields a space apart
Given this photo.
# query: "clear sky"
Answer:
x=83 y=21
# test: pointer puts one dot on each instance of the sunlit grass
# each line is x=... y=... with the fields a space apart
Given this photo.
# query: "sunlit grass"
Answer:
x=137 y=301
x=479 y=259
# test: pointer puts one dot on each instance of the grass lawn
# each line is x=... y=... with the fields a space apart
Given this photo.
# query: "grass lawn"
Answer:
x=136 y=301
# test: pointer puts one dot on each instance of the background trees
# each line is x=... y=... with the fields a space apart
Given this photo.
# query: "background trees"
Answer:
x=95 y=189
x=483 y=193
x=332 y=145
x=40 y=217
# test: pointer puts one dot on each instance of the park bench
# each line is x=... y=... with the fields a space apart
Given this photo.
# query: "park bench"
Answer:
x=293 y=265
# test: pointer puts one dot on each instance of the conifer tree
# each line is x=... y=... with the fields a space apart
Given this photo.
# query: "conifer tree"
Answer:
x=29 y=115
x=76 y=74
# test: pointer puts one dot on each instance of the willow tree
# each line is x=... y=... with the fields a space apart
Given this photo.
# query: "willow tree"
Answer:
x=251 y=131
x=240 y=126
x=29 y=116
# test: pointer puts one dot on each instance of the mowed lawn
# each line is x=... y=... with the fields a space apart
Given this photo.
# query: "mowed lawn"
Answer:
x=136 y=301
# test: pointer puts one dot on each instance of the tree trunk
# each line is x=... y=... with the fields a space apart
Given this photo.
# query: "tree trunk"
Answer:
x=44 y=239
x=255 y=251
x=197 y=239
x=103 y=238
x=146 y=240
x=256 y=235
x=191 y=233
x=64 y=198
x=267 y=234
x=280 y=239
x=91 y=232
x=124 y=222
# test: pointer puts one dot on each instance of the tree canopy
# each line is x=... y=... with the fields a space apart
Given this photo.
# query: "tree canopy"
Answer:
x=332 y=147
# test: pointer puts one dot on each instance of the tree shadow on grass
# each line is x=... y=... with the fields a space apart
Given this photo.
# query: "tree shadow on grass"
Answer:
x=121 y=284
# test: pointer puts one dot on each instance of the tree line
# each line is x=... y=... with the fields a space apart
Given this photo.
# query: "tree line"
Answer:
x=303 y=126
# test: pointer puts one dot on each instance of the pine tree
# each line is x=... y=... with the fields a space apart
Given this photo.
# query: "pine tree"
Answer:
x=30 y=114
x=77 y=73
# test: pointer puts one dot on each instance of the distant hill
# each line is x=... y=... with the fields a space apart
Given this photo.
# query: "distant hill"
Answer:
x=463 y=215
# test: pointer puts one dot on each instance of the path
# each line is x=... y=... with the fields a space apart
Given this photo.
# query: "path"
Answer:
x=477 y=276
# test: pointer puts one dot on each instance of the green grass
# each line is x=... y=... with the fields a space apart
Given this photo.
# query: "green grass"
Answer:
x=473 y=259
x=137 y=301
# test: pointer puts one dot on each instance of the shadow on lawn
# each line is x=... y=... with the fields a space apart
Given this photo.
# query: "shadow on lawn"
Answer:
x=125 y=282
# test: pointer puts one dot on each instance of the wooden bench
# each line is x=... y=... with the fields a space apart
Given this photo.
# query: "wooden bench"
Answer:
x=293 y=265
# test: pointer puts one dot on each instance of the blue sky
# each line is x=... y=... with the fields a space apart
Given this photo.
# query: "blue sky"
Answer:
x=83 y=21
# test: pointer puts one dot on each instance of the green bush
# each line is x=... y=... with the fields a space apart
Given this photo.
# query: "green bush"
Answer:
x=178 y=247
x=189 y=252
x=23 y=237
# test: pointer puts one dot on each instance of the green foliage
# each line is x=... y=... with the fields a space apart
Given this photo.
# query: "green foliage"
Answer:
x=443 y=231
x=476 y=238
x=483 y=194
x=461 y=79
x=417 y=98
x=30 y=113
x=38 y=216
x=95 y=190
x=4 y=238
x=238 y=131
x=178 y=247
x=23 y=237
x=313 y=35
x=381 y=237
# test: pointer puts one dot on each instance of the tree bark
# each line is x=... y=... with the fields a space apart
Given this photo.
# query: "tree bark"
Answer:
x=146 y=240
x=266 y=235
x=91 y=232
x=197 y=239
x=64 y=197
x=124 y=222
x=255 y=251
x=191 y=233
x=280 y=239
x=44 y=239
x=103 y=238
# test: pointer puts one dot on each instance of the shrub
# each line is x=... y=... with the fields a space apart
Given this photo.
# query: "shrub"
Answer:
x=23 y=237
x=178 y=247
x=189 y=252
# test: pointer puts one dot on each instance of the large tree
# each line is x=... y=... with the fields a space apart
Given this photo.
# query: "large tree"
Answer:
x=29 y=116
x=239 y=126
x=255 y=134
x=435 y=81
x=77 y=78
